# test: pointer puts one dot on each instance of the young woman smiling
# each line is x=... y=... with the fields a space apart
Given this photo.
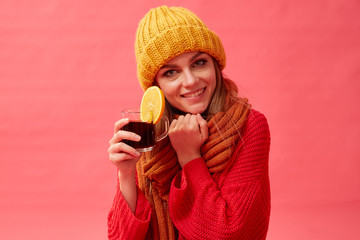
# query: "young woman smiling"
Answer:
x=188 y=81
x=209 y=178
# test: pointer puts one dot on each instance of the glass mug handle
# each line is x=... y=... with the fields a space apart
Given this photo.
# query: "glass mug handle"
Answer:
x=166 y=130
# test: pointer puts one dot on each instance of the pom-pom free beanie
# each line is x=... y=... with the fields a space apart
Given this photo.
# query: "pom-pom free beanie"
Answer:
x=166 y=32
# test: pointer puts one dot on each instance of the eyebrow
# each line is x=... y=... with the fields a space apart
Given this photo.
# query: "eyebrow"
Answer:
x=191 y=59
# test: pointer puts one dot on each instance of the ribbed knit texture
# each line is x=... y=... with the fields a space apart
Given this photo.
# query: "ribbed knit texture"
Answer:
x=231 y=204
x=157 y=170
x=165 y=33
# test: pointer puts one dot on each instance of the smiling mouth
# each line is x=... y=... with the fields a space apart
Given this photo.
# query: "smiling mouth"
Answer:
x=194 y=94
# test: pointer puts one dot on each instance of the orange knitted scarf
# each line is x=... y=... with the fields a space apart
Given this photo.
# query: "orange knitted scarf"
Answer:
x=156 y=170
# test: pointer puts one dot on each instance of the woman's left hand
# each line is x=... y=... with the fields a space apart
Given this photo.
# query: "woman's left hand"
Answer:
x=187 y=134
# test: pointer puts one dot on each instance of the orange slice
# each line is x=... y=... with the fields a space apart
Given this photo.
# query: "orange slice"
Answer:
x=152 y=105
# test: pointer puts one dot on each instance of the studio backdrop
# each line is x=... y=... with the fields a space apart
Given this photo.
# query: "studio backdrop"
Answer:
x=67 y=68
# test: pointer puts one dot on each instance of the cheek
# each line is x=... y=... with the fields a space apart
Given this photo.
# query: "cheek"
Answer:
x=169 y=89
x=210 y=79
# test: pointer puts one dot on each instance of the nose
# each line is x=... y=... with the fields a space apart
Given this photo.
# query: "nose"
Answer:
x=190 y=79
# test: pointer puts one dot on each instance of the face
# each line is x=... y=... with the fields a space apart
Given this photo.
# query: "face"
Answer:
x=188 y=81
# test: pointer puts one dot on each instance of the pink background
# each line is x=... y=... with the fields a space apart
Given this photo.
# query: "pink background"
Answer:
x=67 y=68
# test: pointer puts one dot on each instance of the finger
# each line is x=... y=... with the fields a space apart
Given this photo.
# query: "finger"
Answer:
x=187 y=119
x=183 y=121
x=193 y=123
x=181 y=118
x=204 y=130
x=121 y=157
x=120 y=124
x=121 y=135
x=124 y=150
x=173 y=123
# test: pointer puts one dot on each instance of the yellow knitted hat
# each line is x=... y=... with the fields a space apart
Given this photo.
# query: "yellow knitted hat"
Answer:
x=165 y=33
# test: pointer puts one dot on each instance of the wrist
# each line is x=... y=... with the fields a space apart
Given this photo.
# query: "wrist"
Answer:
x=126 y=178
x=184 y=159
x=128 y=189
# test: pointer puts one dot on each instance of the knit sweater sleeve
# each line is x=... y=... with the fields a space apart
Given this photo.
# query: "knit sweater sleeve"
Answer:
x=236 y=207
x=123 y=223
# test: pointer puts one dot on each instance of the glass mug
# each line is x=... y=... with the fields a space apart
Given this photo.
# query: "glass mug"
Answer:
x=145 y=130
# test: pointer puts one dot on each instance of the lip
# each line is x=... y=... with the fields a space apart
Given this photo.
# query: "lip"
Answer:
x=194 y=94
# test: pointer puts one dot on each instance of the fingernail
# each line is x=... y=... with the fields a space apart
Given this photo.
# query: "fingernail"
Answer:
x=137 y=137
x=137 y=154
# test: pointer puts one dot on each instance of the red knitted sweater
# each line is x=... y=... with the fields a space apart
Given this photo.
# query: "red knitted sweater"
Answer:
x=233 y=204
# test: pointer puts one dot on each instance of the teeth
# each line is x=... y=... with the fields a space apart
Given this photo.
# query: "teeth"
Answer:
x=194 y=94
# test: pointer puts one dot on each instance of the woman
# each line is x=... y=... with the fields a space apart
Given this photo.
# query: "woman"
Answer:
x=209 y=178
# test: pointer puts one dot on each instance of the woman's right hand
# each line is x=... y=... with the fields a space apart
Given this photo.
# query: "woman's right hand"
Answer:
x=122 y=155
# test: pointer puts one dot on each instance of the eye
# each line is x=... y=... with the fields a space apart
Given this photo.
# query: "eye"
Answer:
x=169 y=73
x=199 y=62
